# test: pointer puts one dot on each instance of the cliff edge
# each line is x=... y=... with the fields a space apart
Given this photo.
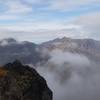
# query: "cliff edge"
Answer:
x=19 y=82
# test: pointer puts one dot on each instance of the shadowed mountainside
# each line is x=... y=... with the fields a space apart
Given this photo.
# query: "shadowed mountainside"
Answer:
x=19 y=82
x=26 y=52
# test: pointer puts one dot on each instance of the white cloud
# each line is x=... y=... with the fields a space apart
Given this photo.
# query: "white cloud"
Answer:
x=84 y=26
x=4 y=43
x=90 y=24
x=35 y=1
x=78 y=79
x=24 y=6
x=87 y=26
x=63 y=5
x=15 y=7
x=18 y=7
x=67 y=5
x=59 y=57
x=8 y=17
x=37 y=32
x=46 y=26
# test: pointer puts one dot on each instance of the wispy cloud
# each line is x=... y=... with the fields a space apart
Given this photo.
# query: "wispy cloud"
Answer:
x=16 y=7
x=67 y=5
x=8 y=17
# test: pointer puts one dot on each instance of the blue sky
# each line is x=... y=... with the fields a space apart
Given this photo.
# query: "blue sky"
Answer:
x=42 y=20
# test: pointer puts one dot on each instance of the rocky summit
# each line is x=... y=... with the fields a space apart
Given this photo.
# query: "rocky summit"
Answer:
x=21 y=82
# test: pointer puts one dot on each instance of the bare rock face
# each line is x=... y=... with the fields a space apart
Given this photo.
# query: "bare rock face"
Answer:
x=19 y=82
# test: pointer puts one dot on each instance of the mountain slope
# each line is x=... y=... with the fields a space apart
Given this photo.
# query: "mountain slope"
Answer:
x=87 y=47
x=11 y=50
x=19 y=82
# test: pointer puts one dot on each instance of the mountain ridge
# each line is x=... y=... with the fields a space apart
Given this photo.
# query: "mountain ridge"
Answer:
x=30 y=53
x=88 y=47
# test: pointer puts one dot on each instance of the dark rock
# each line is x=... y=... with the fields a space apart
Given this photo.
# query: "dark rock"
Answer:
x=19 y=82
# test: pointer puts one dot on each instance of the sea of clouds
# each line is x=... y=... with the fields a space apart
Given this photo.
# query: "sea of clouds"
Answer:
x=71 y=76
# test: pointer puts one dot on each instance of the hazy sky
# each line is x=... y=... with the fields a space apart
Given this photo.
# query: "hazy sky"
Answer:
x=42 y=20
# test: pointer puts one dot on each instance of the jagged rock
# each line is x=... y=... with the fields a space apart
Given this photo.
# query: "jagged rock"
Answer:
x=19 y=82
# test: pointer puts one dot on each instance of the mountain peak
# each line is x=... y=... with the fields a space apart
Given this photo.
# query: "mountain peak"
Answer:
x=7 y=41
x=17 y=62
x=10 y=40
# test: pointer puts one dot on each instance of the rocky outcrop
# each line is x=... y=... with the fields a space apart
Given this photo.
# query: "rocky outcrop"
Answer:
x=19 y=82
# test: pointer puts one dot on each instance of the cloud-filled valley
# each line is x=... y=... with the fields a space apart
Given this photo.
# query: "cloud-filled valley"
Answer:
x=72 y=71
x=72 y=76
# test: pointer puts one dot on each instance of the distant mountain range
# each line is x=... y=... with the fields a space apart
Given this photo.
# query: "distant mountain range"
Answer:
x=87 y=47
x=10 y=49
x=30 y=53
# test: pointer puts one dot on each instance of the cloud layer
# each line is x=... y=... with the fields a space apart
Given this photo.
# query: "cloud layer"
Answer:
x=72 y=76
